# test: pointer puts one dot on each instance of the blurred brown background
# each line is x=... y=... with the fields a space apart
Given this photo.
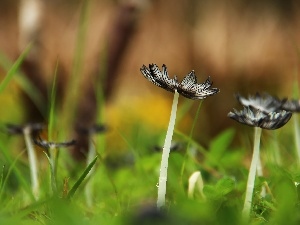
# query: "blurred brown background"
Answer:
x=245 y=46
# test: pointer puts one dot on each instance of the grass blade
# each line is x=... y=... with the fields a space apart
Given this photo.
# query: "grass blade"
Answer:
x=52 y=175
x=52 y=106
x=2 y=179
x=81 y=178
x=189 y=141
x=13 y=70
x=26 y=85
x=13 y=167
x=73 y=94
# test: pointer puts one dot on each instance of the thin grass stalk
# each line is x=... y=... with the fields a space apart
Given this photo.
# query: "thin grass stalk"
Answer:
x=297 y=133
x=161 y=198
x=13 y=167
x=52 y=108
x=186 y=138
x=73 y=95
x=52 y=150
x=2 y=179
x=14 y=69
x=185 y=107
x=100 y=96
x=296 y=118
x=25 y=84
x=252 y=173
x=89 y=186
x=53 y=167
x=276 y=152
x=33 y=164
x=52 y=175
x=189 y=141
x=81 y=178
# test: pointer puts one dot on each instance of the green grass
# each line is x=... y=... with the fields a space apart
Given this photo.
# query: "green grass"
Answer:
x=125 y=186
x=125 y=183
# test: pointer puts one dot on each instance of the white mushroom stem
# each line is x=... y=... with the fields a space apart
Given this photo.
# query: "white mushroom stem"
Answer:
x=32 y=162
x=165 y=155
x=252 y=173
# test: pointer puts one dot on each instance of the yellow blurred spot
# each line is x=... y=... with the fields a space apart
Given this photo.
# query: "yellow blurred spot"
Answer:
x=151 y=112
